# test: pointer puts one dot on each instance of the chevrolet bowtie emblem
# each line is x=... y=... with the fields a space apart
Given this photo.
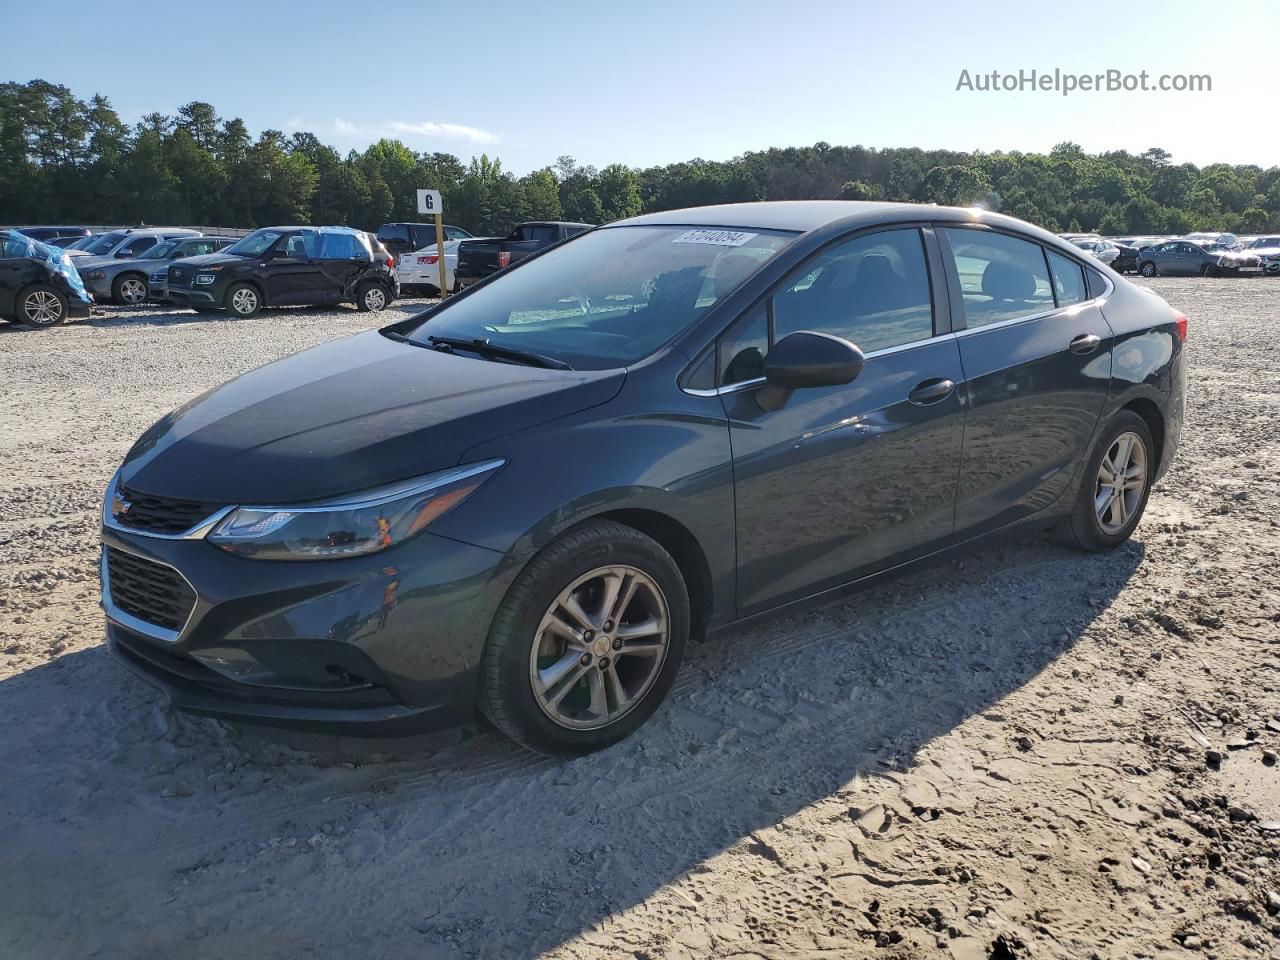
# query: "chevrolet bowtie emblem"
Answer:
x=119 y=505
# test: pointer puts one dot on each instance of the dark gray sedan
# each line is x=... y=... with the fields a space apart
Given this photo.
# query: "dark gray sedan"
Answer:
x=135 y=281
x=526 y=500
x=1177 y=258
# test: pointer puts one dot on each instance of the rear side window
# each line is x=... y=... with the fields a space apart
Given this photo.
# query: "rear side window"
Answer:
x=395 y=235
x=1068 y=279
x=872 y=290
x=340 y=246
x=539 y=233
x=14 y=248
x=1001 y=277
x=456 y=233
x=136 y=246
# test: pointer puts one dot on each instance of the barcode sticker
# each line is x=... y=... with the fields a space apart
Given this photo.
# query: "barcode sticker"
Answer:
x=721 y=238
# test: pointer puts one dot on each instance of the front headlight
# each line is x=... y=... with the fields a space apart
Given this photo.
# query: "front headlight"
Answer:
x=353 y=525
x=205 y=278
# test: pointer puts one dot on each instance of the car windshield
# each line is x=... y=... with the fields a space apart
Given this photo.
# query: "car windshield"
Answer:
x=610 y=297
x=255 y=243
x=159 y=251
x=102 y=243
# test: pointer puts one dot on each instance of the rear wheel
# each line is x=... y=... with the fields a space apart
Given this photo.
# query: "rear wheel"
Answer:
x=587 y=642
x=1148 y=269
x=1117 y=483
x=371 y=297
x=42 y=306
x=129 y=289
x=243 y=300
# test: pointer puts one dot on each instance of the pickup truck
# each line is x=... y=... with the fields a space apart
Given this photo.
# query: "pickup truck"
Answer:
x=478 y=259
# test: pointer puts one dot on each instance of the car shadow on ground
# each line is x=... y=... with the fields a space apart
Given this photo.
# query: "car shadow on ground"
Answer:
x=155 y=834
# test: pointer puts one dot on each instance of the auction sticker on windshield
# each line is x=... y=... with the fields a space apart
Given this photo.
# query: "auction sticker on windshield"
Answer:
x=722 y=238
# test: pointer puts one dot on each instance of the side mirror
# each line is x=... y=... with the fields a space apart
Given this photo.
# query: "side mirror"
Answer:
x=808 y=359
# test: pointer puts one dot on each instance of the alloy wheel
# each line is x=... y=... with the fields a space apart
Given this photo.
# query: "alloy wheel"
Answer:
x=133 y=291
x=1122 y=478
x=375 y=298
x=244 y=301
x=42 y=308
x=600 y=647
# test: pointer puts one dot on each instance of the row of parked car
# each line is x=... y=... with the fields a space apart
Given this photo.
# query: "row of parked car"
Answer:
x=52 y=274
x=1196 y=254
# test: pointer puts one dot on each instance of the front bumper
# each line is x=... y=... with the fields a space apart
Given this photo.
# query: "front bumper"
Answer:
x=192 y=297
x=382 y=645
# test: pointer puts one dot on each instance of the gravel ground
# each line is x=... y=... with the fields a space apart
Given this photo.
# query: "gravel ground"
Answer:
x=1024 y=753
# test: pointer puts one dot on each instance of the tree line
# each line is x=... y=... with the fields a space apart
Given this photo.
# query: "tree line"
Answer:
x=68 y=160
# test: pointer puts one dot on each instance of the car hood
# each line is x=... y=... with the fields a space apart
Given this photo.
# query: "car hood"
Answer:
x=346 y=416
x=84 y=262
x=210 y=259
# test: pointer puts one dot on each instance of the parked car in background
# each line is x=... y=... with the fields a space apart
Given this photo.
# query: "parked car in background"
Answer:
x=401 y=238
x=419 y=271
x=287 y=266
x=1126 y=260
x=63 y=242
x=49 y=235
x=38 y=284
x=1267 y=250
x=511 y=505
x=1177 y=258
x=1104 y=251
x=1209 y=239
x=478 y=259
x=132 y=281
x=123 y=244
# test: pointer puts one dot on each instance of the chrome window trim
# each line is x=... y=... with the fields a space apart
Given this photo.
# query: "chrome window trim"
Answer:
x=1013 y=321
x=128 y=620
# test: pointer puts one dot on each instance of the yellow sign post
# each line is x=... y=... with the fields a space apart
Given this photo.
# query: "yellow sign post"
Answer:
x=429 y=201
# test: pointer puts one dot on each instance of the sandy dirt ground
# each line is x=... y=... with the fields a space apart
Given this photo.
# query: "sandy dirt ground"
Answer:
x=1022 y=753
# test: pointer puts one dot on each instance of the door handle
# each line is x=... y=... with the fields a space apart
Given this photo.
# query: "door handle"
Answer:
x=931 y=391
x=1085 y=343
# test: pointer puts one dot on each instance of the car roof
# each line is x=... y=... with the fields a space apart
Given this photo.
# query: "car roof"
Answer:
x=804 y=216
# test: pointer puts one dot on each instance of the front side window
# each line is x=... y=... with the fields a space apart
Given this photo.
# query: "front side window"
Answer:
x=136 y=247
x=1001 y=277
x=1068 y=280
x=162 y=250
x=610 y=297
x=872 y=290
x=741 y=349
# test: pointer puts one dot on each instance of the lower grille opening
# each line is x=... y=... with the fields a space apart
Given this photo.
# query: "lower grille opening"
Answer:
x=152 y=592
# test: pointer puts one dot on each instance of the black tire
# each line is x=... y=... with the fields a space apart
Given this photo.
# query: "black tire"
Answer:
x=1082 y=528
x=1148 y=269
x=243 y=300
x=41 y=306
x=372 y=297
x=205 y=309
x=507 y=696
x=122 y=288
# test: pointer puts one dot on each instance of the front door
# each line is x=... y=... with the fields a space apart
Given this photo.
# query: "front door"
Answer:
x=1037 y=360
x=840 y=481
x=297 y=276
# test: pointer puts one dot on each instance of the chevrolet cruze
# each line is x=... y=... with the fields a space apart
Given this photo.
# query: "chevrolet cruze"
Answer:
x=526 y=500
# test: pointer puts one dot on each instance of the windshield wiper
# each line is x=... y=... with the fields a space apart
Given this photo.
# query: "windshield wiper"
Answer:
x=484 y=347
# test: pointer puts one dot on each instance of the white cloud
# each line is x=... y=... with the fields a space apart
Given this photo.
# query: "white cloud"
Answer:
x=400 y=128
x=448 y=131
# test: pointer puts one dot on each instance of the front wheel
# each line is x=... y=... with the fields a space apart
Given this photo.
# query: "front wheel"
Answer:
x=1115 y=488
x=42 y=306
x=243 y=300
x=129 y=289
x=587 y=642
x=371 y=297
x=1148 y=269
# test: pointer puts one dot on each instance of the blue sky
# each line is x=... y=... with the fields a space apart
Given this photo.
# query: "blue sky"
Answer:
x=660 y=81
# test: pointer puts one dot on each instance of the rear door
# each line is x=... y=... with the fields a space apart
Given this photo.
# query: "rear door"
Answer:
x=343 y=258
x=13 y=268
x=1037 y=360
x=842 y=481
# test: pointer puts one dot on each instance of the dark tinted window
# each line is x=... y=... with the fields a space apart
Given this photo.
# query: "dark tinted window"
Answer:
x=740 y=353
x=136 y=246
x=395 y=236
x=13 y=248
x=872 y=290
x=340 y=246
x=1097 y=286
x=1001 y=277
x=1068 y=279
x=538 y=232
x=702 y=375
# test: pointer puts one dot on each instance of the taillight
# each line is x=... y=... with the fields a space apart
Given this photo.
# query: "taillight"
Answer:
x=1180 y=320
x=504 y=258
x=429 y=258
